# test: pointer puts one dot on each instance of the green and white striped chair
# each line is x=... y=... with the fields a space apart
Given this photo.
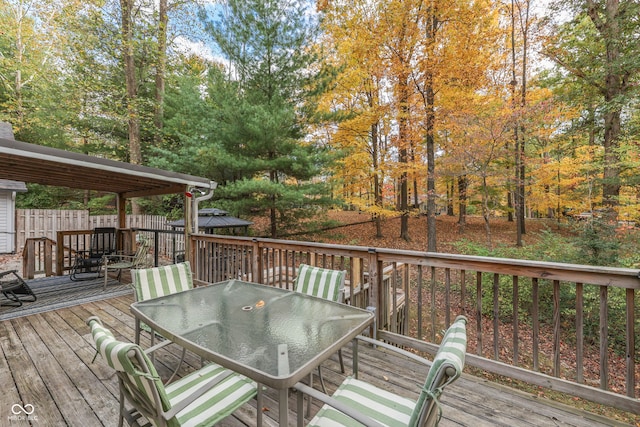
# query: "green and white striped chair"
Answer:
x=127 y=262
x=155 y=282
x=356 y=402
x=322 y=283
x=202 y=398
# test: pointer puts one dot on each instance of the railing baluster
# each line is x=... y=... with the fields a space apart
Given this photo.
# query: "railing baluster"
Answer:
x=479 y=312
x=580 y=333
x=535 y=321
x=556 y=328
x=604 y=338
x=432 y=285
x=392 y=292
x=630 y=343
x=496 y=316
x=447 y=297
x=407 y=299
x=463 y=288
x=516 y=316
x=420 y=303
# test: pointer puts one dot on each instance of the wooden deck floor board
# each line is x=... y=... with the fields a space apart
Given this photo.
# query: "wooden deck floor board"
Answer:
x=32 y=388
x=65 y=385
x=98 y=394
x=46 y=360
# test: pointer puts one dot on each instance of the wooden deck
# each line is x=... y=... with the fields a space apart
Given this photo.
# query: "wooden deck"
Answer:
x=46 y=361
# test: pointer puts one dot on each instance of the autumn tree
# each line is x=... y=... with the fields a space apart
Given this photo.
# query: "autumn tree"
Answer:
x=359 y=123
x=598 y=48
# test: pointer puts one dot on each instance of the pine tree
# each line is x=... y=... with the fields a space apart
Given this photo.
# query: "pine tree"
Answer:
x=267 y=160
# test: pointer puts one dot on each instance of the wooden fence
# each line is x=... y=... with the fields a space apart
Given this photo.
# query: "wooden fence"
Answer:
x=46 y=223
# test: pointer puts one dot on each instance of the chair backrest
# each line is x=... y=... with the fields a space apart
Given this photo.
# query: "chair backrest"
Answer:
x=320 y=282
x=103 y=242
x=138 y=379
x=158 y=281
x=140 y=257
x=446 y=368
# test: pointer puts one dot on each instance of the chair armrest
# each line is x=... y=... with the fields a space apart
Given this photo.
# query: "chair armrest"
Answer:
x=158 y=346
x=6 y=273
x=119 y=257
x=345 y=409
x=196 y=394
x=394 y=349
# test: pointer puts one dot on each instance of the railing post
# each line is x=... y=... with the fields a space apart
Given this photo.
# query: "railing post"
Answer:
x=374 y=283
x=48 y=257
x=59 y=253
x=257 y=262
x=28 y=259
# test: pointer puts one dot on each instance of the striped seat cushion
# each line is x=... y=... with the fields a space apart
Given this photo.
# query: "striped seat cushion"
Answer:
x=380 y=405
x=159 y=281
x=208 y=409
x=396 y=411
x=319 y=282
x=219 y=402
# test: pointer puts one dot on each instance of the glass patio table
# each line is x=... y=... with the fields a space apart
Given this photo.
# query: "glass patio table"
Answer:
x=274 y=336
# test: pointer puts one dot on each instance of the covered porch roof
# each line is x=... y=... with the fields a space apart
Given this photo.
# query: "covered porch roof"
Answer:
x=20 y=161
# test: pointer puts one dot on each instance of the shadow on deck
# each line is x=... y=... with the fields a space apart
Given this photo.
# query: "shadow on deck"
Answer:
x=46 y=361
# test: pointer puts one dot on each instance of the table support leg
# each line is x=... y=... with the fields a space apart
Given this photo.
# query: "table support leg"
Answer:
x=259 y=405
x=355 y=357
x=284 y=407
x=283 y=369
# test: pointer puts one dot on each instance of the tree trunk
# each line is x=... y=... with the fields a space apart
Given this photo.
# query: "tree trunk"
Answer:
x=135 y=152
x=462 y=199
x=273 y=211
x=377 y=191
x=431 y=167
x=430 y=110
x=158 y=120
x=523 y=104
x=450 y=195
x=403 y=138
x=616 y=84
x=486 y=213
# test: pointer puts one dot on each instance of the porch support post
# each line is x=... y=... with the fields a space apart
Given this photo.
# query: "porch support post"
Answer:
x=121 y=206
x=188 y=224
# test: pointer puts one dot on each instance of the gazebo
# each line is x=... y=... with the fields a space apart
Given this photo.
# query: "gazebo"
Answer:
x=212 y=219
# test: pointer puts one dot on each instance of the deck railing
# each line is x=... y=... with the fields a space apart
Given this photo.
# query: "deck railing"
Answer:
x=37 y=257
x=73 y=243
x=543 y=323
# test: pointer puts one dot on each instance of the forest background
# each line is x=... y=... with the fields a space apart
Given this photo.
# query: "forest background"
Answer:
x=515 y=109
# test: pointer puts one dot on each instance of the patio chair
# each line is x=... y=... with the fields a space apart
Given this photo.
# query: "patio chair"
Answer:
x=89 y=263
x=356 y=402
x=156 y=282
x=127 y=262
x=322 y=283
x=202 y=398
x=15 y=289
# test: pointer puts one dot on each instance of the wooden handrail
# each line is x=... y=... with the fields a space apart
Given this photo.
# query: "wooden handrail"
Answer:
x=436 y=288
